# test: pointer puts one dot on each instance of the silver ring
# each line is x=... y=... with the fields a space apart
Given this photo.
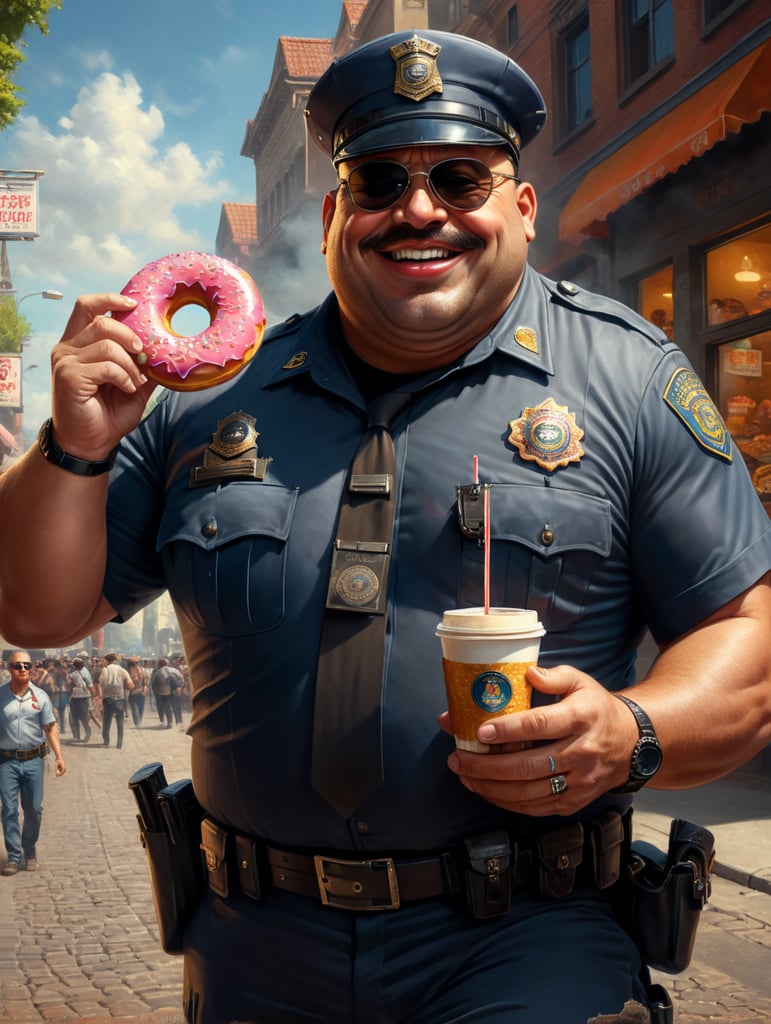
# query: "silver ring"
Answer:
x=558 y=784
x=552 y=765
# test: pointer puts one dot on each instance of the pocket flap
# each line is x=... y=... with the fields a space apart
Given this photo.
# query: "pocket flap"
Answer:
x=239 y=509
x=573 y=520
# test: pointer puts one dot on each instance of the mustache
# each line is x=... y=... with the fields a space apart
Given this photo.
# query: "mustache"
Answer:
x=442 y=238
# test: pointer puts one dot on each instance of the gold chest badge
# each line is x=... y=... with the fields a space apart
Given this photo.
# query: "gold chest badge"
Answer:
x=232 y=454
x=548 y=435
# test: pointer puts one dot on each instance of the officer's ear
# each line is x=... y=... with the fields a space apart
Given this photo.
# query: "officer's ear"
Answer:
x=527 y=204
x=328 y=207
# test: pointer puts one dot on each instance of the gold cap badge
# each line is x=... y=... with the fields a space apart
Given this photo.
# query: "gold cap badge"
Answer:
x=417 y=75
x=548 y=435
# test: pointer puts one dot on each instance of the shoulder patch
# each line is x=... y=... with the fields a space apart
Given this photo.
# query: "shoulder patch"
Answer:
x=687 y=397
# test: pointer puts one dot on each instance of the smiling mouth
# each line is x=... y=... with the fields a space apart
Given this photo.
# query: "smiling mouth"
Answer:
x=420 y=255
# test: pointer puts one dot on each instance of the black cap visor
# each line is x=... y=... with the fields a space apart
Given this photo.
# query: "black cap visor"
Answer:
x=420 y=128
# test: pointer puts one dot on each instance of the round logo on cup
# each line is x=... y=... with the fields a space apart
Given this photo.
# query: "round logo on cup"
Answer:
x=491 y=691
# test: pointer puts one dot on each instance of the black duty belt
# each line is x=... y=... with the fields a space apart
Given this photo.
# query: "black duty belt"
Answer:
x=25 y=755
x=485 y=869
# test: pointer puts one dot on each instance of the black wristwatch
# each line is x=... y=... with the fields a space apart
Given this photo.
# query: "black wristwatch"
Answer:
x=56 y=455
x=647 y=754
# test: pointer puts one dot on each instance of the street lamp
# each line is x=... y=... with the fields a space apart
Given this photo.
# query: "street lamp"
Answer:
x=48 y=293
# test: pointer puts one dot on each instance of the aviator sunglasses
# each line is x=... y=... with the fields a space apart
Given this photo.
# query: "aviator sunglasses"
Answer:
x=462 y=184
x=21 y=666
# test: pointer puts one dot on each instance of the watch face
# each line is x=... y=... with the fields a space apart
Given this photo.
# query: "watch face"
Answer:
x=648 y=759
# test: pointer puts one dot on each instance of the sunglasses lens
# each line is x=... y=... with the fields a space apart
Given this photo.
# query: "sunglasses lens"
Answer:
x=378 y=184
x=20 y=665
x=462 y=184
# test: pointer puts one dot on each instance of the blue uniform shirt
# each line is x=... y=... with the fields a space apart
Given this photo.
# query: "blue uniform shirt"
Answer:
x=648 y=522
x=22 y=718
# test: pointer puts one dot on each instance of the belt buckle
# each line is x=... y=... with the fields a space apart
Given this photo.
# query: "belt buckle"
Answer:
x=20 y=755
x=343 y=893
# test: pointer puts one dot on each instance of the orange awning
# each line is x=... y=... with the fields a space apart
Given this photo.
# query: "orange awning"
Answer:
x=736 y=97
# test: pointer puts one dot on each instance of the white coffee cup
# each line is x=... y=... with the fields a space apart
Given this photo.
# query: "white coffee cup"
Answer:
x=485 y=660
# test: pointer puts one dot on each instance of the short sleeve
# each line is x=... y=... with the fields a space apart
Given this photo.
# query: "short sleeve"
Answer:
x=134 y=575
x=700 y=535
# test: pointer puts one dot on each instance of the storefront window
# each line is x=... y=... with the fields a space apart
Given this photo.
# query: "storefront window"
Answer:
x=744 y=398
x=655 y=299
x=739 y=278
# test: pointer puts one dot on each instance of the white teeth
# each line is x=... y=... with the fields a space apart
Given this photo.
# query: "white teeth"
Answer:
x=416 y=255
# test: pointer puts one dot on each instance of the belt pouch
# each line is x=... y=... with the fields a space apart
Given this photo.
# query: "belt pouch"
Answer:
x=214 y=843
x=606 y=837
x=559 y=854
x=487 y=870
x=248 y=866
x=668 y=892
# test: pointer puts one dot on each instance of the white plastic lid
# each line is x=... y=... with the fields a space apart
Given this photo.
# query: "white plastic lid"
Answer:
x=497 y=622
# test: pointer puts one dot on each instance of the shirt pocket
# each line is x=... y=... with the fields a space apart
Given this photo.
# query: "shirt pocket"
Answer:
x=547 y=544
x=224 y=553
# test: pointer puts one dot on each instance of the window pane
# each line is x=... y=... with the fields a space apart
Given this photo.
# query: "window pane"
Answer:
x=513 y=25
x=663 y=40
x=744 y=398
x=578 y=79
x=638 y=10
x=739 y=278
x=655 y=299
x=639 y=48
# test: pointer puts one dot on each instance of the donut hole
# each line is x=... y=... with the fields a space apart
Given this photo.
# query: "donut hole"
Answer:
x=190 y=311
x=190 y=319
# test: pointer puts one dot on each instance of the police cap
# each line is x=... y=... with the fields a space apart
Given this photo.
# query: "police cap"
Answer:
x=409 y=89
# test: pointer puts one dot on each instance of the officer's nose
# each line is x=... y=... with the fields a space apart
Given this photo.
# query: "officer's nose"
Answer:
x=419 y=205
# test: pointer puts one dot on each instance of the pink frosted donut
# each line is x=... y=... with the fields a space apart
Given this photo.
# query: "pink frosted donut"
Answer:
x=228 y=295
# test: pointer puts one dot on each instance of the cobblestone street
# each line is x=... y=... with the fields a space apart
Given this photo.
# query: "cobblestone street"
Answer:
x=78 y=940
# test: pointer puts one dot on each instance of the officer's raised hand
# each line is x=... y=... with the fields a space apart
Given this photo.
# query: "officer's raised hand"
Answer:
x=98 y=390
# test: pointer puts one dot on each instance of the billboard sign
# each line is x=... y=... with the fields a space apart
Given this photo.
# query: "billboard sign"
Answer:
x=19 y=204
x=10 y=381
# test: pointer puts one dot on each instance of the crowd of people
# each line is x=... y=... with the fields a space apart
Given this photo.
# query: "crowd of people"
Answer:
x=90 y=692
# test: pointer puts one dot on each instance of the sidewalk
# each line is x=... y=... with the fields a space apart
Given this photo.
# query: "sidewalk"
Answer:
x=736 y=809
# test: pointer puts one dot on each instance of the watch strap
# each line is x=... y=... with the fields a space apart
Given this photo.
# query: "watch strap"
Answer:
x=644 y=723
x=71 y=463
x=648 y=740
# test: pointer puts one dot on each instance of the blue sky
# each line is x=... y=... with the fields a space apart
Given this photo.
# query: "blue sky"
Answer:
x=136 y=113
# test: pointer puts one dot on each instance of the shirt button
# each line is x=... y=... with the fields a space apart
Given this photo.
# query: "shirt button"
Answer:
x=547 y=537
x=362 y=827
x=209 y=529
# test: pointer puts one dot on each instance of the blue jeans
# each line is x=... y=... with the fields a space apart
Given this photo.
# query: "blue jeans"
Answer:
x=21 y=779
x=61 y=700
x=113 y=708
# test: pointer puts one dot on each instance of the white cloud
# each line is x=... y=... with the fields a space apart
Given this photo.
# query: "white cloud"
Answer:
x=96 y=60
x=114 y=195
x=227 y=60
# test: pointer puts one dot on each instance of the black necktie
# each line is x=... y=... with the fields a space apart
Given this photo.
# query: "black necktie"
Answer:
x=347 y=759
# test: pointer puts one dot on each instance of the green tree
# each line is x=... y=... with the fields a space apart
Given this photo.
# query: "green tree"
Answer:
x=15 y=16
x=14 y=328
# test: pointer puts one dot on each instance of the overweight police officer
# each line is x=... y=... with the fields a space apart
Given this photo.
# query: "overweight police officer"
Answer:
x=360 y=868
